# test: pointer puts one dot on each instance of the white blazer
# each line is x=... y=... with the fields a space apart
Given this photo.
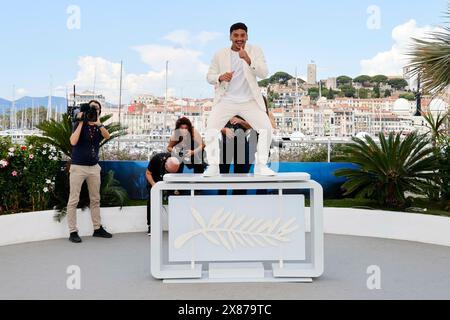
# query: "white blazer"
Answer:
x=221 y=64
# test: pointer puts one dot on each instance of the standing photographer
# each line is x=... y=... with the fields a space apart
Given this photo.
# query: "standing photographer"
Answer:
x=85 y=140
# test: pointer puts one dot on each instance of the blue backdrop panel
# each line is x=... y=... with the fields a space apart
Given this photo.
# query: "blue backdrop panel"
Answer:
x=131 y=175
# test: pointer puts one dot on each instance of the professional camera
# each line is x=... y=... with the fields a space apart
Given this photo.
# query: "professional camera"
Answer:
x=89 y=113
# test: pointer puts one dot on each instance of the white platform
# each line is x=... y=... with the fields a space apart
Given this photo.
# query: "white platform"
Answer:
x=268 y=278
x=198 y=178
x=182 y=271
x=313 y=268
x=236 y=270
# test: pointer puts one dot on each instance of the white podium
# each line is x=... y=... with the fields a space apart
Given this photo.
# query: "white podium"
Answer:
x=237 y=238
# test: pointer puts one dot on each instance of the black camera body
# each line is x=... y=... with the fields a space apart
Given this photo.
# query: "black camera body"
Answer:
x=89 y=113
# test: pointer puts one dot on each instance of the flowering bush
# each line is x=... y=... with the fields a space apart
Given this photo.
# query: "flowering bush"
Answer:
x=27 y=176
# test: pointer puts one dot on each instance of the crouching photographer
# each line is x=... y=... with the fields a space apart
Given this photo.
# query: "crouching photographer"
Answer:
x=88 y=133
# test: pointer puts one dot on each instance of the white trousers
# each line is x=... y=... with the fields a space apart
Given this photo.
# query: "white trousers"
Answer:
x=250 y=111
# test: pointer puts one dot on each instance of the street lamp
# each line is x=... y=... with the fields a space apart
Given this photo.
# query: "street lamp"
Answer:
x=418 y=98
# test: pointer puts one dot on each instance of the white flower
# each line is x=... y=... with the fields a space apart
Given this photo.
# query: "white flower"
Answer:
x=45 y=146
x=3 y=163
x=44 y=152
x=48 y=181
x=11 y=154
x=11 y=149
x=55 y=158
x=45 y=189
x=53 y=184
x=30 y=147
x=50 y=157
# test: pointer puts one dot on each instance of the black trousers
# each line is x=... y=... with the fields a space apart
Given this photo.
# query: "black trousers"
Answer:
x=229 y=153
x=198 y=168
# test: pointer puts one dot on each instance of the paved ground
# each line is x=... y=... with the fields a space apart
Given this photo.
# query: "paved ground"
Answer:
x=120 y=269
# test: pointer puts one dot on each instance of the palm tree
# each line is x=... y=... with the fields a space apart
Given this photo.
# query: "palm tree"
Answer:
x=387 y=172
x=58 y=133
x=431 y=59
x=438 y=130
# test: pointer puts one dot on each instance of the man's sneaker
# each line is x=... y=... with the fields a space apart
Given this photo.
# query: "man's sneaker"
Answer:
x=263 y=170
x=102 y=233
x=212 y=171
x=74 y=237
x=149 y=233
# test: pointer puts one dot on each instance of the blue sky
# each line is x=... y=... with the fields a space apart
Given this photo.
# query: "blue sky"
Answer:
x=36 y=43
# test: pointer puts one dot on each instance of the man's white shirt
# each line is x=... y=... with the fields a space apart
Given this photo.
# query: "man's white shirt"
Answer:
x=222 y=63
x=238 y=91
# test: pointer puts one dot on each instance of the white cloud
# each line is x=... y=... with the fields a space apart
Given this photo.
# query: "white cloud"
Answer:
x=21 y=92
x=391 y=62
x=206 y=36
x=182 y=37
x=186 y=73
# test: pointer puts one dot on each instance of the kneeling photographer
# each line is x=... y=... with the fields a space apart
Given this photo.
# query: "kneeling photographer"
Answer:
x=88 y=133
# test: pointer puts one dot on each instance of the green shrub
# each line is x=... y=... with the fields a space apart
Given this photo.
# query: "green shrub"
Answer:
x=387 y=172
x=27 y=176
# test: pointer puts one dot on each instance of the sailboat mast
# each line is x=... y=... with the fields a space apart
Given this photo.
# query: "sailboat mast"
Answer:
x=120 y=99
x=12 y=117
x=296 y=100
x=166 y=100
x=49 y=103
x=32 y=114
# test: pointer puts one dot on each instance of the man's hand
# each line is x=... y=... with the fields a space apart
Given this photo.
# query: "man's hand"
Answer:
x=244 y=55
x=226 y=77
x=98 y=122
x=228 y=132
x=236 y=120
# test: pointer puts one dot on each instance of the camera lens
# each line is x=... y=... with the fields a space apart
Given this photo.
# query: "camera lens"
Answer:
x=91 y=115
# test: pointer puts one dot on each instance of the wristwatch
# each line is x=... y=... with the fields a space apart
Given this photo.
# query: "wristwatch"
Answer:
x=100 y=126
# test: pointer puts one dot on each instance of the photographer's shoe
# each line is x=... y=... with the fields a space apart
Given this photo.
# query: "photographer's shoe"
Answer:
x=149 y=233
x=212 y=171
x=102 y=233
x=263 y=170
x=75 y=238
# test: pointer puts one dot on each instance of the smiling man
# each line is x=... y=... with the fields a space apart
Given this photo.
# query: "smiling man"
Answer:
x=234 y=72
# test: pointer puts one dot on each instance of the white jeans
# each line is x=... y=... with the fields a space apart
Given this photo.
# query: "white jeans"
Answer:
x=250 y=111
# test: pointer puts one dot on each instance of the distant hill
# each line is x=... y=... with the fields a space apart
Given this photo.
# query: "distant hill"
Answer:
x=27 y=102
x=278 y=77
x=4 y=102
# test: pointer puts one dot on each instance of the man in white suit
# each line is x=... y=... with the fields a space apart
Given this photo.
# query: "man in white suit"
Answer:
x=234 y=73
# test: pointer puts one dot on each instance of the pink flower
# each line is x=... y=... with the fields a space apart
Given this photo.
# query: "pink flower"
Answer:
x=3 y=163
x=31 y=156
x=14 y=173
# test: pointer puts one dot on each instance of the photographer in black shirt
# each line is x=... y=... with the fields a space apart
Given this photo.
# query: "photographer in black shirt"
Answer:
x=87 y=135
x=159 y=165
